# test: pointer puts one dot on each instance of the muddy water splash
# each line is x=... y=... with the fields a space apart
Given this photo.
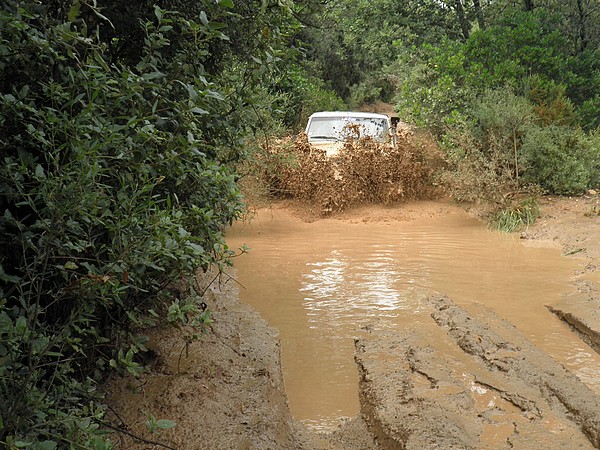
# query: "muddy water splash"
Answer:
x=323 y=284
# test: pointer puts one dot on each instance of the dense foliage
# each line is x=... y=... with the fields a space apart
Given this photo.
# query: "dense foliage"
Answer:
x=116 y=124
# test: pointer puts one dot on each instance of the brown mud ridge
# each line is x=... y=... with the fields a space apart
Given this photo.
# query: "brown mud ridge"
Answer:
x=511 y=395
x=226 y=391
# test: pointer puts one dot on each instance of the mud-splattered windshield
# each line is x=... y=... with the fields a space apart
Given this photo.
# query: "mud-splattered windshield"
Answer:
x=343 y=128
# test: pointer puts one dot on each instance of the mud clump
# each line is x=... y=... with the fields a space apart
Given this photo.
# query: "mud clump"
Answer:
x=363 y=172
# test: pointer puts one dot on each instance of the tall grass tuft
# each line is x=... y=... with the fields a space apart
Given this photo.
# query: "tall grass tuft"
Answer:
x=516 y=217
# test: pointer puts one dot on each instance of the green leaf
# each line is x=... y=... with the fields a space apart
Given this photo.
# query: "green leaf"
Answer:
x=5 y=321
x=214 y=26
x=226 y=3
x=39 y=172
x=164 y=424
x=8 y=278
x=153 y=76
x=70 y=265
x=74 y=11
x=21 y=325
x=197 y=110
x=158 y=13
x=198 y=249
x=203 y=18
x=47 y=445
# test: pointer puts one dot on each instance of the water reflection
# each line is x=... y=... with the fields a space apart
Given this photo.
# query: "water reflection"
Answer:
x=376 y=285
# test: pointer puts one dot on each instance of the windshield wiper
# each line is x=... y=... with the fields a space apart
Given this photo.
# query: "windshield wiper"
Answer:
x=324 y=137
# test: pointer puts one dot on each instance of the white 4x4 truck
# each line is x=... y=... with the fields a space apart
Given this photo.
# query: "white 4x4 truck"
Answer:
x=328 y=130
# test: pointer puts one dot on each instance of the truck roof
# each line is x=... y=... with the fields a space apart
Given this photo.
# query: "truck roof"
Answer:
x=358 y=114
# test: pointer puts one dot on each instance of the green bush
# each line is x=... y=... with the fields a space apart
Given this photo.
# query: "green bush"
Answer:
x=433 y=83
x=507 y=145
x=377 y=88
x=562 y=160
x=551 y=104
x=430 y=86
x=304 y=95
x=589 y=113
x=516 y=45
x=484 y=149
x=109 y=194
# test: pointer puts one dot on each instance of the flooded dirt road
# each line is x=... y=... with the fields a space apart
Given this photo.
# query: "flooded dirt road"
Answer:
x=427 y=370
x=323 y=284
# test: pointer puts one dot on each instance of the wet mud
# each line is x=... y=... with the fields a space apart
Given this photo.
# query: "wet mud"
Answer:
x=583 y=316
x=440 y=401
x=224 y=391
x=322 y=283
x=501 y=348
x=574 y=225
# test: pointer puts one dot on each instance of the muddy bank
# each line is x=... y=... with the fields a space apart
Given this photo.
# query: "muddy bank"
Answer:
x=582 y=314
x=502 y=393
x=228 y=392
x=499 y=347
x=224 y=391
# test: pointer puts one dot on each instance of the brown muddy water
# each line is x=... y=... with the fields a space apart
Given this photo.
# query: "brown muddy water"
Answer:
x=322 y=284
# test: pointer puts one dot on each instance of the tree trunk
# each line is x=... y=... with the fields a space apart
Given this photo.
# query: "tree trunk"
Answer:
x=479 y=14
x=460 y=12
x=583 y=39
x=528 y=5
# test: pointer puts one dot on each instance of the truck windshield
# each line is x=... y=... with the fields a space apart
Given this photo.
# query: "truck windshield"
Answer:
x=343 y=128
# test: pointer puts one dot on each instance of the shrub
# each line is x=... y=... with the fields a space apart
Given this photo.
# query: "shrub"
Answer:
x=562 y=160
x=376 y=88
x=109 y=193
x=589 y=113
x=485 y=151
x=435 y=82
x=509 y=147
x=303 y=94
x=260 y=176
x=516 y=45
x=551 y=105
x=430 y=87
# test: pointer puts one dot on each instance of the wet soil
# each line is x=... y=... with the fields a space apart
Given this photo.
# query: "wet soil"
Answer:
x=471 y=381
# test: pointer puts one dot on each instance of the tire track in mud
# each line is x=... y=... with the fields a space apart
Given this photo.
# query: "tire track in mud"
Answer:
x=475 y=382
x=499 y=346
x=583 y=317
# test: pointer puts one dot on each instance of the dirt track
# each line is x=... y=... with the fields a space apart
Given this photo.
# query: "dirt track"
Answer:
x=505 y=394
x=228 y=392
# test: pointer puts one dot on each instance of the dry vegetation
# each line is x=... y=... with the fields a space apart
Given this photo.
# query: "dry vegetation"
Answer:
x=364 y=172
